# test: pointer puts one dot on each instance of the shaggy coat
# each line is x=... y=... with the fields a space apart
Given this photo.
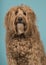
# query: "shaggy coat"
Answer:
x=23 y=44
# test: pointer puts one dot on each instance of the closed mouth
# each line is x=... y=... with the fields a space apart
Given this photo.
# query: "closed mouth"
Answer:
x=20 y=26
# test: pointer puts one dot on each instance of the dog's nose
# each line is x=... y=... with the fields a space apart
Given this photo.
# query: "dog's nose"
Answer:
x=20 y=19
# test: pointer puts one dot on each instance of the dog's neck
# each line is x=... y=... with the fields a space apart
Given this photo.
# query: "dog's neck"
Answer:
x=32 y=34
x=12 y=36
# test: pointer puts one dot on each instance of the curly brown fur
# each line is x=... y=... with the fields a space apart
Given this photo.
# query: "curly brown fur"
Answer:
x=23 y=44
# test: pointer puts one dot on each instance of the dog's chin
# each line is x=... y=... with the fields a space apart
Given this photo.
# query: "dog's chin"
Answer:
x=20 y=29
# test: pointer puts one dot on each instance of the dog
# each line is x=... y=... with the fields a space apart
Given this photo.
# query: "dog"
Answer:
x=23 y=43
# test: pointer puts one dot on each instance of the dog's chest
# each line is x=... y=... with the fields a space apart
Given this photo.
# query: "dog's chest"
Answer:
x=24 y=50
x=22 y=47
x=20 y=51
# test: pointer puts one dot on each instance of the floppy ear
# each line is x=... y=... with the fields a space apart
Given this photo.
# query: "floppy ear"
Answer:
x=7 y=20
x=32 y=15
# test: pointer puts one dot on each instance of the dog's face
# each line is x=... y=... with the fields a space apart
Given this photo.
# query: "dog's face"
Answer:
x=20 y=20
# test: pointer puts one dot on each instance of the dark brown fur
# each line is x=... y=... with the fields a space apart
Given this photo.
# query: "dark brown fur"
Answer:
x=27 y=49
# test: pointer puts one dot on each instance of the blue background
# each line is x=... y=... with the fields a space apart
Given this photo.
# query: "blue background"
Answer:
x=39 y=7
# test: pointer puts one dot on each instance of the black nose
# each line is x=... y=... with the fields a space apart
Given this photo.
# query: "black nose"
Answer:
x=19 y=19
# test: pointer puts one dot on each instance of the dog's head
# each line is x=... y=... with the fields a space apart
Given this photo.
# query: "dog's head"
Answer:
x=20 y=20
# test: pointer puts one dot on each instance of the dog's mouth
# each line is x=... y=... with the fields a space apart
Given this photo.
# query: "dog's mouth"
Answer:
x=20 y=26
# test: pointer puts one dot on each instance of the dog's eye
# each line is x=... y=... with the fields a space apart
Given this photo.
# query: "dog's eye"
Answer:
x=24 y=13
x=16 y=12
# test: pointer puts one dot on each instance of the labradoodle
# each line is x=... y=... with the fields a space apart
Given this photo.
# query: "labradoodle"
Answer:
x=23 y=44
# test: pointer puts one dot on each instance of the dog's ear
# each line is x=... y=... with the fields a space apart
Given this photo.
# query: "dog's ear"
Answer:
x=7 y=19
x=32 y=15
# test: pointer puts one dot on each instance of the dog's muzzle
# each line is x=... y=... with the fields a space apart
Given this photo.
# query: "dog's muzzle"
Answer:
x=20 y=25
